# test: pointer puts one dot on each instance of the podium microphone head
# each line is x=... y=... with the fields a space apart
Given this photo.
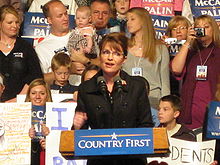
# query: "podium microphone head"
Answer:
x=102 y=84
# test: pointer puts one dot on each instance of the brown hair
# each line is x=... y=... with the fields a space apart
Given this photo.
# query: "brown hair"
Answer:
x=176 y=21
x=7 y=9
x=88 y=68
x=60 y=59
x=149 y=40
x=117 y=41
x=35 y=83
x=174 y=101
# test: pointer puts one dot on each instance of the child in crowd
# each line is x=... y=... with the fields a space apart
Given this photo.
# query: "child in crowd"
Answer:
x=168 y=112
x=89 y=72
x=84 y=33
x=2 y=86
x=61 y=65
x=121 y=7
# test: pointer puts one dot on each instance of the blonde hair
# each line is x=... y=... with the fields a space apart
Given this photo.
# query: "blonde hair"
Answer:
x=7 y=9
x=210 y=20
x=149 y=40
x=60 y=59
x=84 y=9
x=176 y=21
x=35 y=83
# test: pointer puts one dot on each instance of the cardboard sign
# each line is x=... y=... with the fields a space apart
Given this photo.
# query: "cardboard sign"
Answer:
x=213 y=122
x=113 y=142
x=59 y=117
x=187 y=153
x=15 y=144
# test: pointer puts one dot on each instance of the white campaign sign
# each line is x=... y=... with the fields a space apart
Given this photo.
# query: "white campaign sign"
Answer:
x=59 y=116
x=15 y=144
x=187 y=153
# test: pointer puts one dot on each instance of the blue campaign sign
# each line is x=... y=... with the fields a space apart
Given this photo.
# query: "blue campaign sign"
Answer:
x=160 y=24
x=213 y=123
x=129 y=141
x=38 y=117
x=206 y=7
x=35 y=24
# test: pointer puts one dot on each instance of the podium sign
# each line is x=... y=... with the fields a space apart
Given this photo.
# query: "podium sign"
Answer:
x=80 y=144
x=213 y=127
x=113 y=142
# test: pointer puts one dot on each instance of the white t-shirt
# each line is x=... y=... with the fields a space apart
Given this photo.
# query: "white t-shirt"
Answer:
x=36 y=6
x=48 y=48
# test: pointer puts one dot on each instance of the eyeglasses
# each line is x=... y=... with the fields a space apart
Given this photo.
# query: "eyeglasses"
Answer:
x=179 y=28
x=114 y=54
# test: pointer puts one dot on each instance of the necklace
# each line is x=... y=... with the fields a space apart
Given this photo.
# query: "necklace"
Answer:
x=8 y=45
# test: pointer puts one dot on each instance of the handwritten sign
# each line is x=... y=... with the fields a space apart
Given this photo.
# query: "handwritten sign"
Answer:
x=59 y=117
x=15 y=143
x=188 y=153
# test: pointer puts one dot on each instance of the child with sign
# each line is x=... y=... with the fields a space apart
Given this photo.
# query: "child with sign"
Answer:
x=38 y=94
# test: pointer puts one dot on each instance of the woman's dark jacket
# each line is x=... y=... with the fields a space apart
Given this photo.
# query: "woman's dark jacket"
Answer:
x=129 y=108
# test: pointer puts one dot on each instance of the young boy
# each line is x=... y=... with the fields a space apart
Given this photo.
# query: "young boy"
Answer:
x=168 y=112
x=82 y=36
x=61 y=65
x=121 y=8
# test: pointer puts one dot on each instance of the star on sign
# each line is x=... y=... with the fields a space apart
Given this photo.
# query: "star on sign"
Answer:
x=114 y=136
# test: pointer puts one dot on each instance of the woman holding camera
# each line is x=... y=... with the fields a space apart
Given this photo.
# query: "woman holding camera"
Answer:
x=197 y=64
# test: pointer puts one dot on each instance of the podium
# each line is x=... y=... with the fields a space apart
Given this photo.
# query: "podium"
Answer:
x=84 y=144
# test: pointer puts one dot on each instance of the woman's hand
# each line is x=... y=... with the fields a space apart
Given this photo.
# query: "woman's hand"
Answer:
x=32 y=132
x=43 y=143
x=79 y=119
x=190 y=36
x=44 y=129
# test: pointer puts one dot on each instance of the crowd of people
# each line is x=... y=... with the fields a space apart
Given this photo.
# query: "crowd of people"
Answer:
x=87 y=60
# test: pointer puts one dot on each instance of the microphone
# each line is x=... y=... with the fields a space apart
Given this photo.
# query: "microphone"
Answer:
x=118 y=84
x=103 y=89
x=102 y=84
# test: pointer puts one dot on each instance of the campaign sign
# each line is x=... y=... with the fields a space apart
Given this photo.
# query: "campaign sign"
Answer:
x=175 y=47
x=38 y=118
x=160 y=24
x=113 y=142
x=213 y=125
x=206 y=7
x=59 y=117
x=162 y=7
x=35 y=24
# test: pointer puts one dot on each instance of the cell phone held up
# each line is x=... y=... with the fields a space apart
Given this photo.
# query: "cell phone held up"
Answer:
x=200 y=32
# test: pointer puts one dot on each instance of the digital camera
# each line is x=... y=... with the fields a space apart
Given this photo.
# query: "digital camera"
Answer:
x=200 y=32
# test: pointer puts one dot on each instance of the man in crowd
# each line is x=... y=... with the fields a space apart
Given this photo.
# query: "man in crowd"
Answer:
x=58 y=19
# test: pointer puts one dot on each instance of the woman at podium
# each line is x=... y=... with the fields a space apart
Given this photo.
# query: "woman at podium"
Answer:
x=112 y=98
